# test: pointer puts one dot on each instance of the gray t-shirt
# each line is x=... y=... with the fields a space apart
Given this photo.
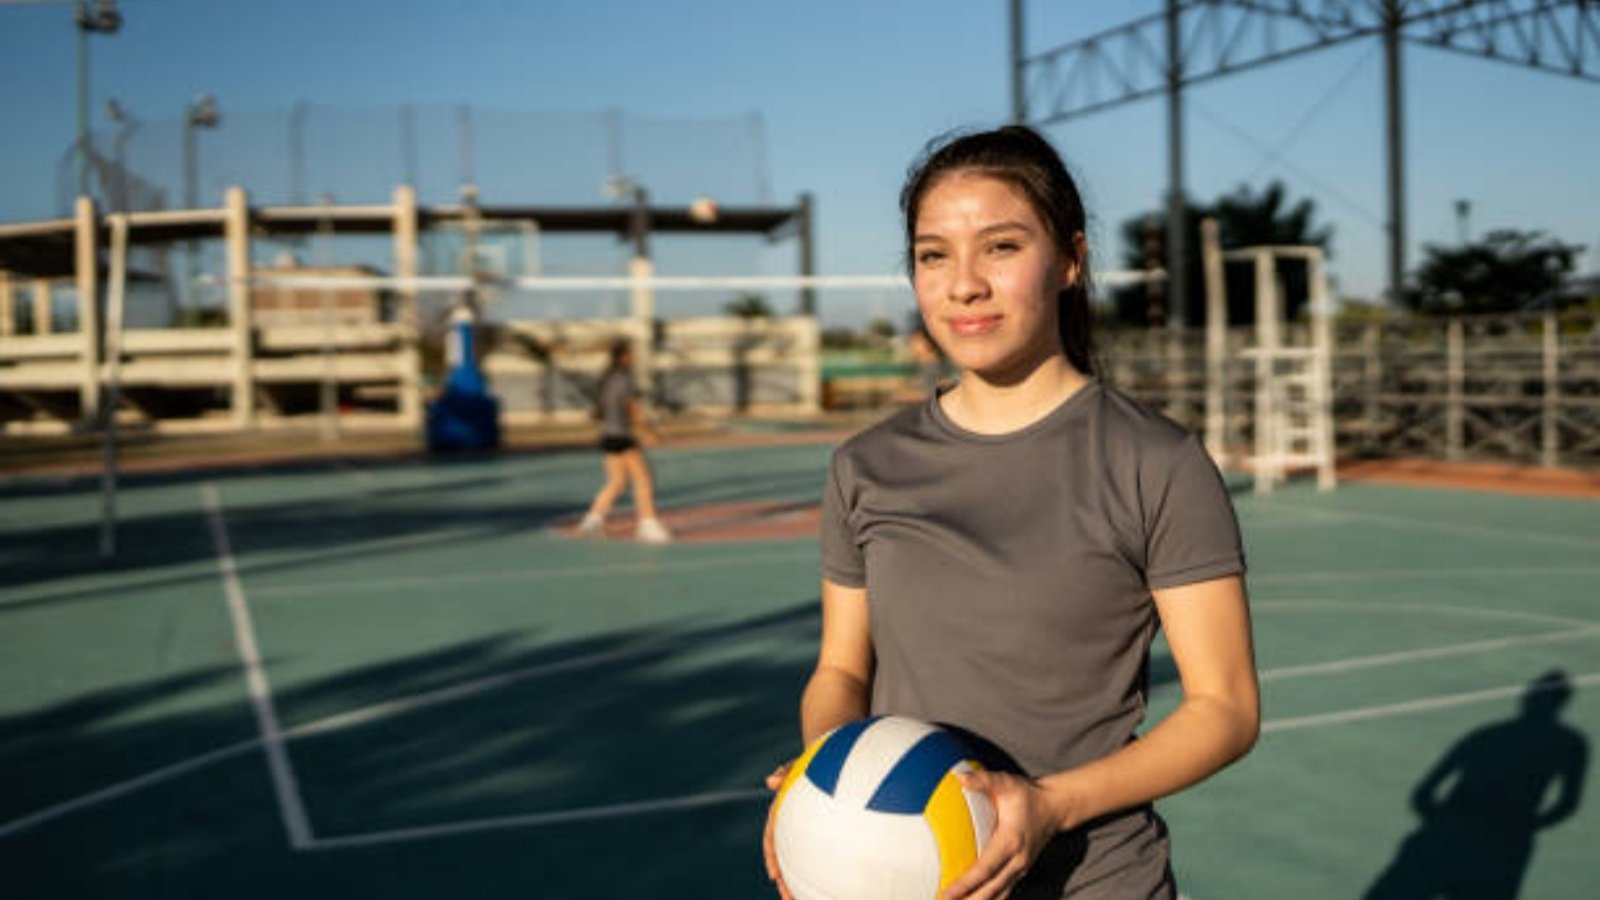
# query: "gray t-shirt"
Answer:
x=616 y=389
x=1009 y=581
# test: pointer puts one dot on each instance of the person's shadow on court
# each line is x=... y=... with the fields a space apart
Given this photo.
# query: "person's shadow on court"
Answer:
x=1484 y=801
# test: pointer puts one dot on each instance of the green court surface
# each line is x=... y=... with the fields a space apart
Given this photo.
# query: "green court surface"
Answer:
x=398 y=680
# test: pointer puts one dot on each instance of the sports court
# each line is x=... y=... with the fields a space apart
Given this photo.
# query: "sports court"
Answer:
x=400 y=679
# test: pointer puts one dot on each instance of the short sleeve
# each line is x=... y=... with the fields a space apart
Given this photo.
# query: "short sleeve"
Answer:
x=842 y=560
x=1191 y=532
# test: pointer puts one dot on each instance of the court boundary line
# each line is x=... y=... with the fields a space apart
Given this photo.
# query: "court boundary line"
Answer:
x=1403 y=574
x=1403 y=657
x=291 y=806
x=1424 y=525
x=1420 y=704
x=363 y=715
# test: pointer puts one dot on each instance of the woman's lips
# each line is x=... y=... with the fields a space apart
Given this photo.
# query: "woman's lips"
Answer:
x=968 y=326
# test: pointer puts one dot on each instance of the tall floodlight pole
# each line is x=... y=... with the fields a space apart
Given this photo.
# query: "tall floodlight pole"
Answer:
x=1177 y=234
x=1019 y=94
x=202 y=113
x=1396 y=145
x=101 y=18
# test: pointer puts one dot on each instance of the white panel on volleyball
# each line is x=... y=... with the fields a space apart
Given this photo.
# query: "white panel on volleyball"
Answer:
x=883 y=856
x=881 y=746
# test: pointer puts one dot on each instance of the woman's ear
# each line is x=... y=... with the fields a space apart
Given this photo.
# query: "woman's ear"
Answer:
x=1074 y=263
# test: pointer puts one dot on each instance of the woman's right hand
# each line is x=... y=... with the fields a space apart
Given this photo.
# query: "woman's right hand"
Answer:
x=775 y=781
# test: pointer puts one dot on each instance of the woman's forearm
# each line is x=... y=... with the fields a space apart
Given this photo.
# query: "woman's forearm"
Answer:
x=832 y=698
x=1202 y=736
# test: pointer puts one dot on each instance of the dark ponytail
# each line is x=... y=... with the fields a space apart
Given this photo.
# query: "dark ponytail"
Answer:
x=1022 y=158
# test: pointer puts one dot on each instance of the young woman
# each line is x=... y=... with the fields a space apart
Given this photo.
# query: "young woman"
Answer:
x=1000 y=557
x=621 y=417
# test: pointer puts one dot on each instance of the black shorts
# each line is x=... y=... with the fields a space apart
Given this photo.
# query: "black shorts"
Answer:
x=609 y=444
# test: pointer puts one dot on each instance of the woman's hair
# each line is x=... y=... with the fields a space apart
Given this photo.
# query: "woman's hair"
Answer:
x=1020 y=157
x=620 y=348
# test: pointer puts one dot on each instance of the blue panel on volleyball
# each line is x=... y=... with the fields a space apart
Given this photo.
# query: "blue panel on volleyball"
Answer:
x=466 y=416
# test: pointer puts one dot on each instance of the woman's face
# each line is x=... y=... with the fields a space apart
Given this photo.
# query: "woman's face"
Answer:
x=987 y=275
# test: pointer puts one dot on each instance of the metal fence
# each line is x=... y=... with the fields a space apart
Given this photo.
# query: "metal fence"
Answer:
x=1519 y=389
x=358 y=154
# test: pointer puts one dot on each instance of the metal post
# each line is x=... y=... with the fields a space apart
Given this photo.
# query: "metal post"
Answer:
x=808 y=266
x=191 y=191
x=8 y=311
x=1550 y=426
x=1177 y=233
x=405 y=266
x=1456 y=376
x=297 y=152
x=83 y=98
x=642 y=300
x=1396 y=141
x=328 y=394
x=202 y=113
x=86 y=271
x=236 y=233
x=1322 y=372
x=1019 y=96
x=1371 y=384
x=468 y=160
x=103 y=19
x=1268 y=467
x=116 y=302
x=1216 y=341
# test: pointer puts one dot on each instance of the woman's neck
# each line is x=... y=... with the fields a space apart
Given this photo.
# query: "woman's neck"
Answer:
x=994 y=406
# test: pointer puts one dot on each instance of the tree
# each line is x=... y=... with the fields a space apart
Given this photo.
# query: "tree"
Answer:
x=748 y=306
x=1245 y=218
x=1507 y=271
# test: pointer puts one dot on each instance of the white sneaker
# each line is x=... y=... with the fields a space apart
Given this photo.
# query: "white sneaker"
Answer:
x=592 y=526
x=651 y=531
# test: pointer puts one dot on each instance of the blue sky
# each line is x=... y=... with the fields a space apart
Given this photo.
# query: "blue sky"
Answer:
x=847 y=90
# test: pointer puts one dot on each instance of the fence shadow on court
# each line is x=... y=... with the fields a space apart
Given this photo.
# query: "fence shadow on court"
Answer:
x=1484 y=802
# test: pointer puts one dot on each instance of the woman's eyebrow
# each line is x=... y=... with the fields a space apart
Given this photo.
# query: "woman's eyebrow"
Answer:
x=985 y=232
x=1005 y=226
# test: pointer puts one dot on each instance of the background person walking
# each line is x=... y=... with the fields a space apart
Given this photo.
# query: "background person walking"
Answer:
x=623 y=430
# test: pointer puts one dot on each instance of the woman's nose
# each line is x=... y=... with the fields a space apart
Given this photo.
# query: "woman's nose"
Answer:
x=967 y=283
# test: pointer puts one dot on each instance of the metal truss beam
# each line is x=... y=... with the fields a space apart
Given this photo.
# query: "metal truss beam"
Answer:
x=1223 y=37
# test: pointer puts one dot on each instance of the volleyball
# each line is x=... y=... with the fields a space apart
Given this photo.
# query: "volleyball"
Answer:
x=703 y=210
x=873 y=810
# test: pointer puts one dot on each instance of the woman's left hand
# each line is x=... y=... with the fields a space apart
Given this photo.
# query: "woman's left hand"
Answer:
x=1024 y=823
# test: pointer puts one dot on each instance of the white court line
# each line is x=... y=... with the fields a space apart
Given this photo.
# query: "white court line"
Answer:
x=148 y=779
x=557 y=817
x=1481 y=612
x=1283 y=673
x=1425 y=524
x=1424 y=704
x=1407 y=574
x=268 y=563
x=290 y=806
x=609 y=569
